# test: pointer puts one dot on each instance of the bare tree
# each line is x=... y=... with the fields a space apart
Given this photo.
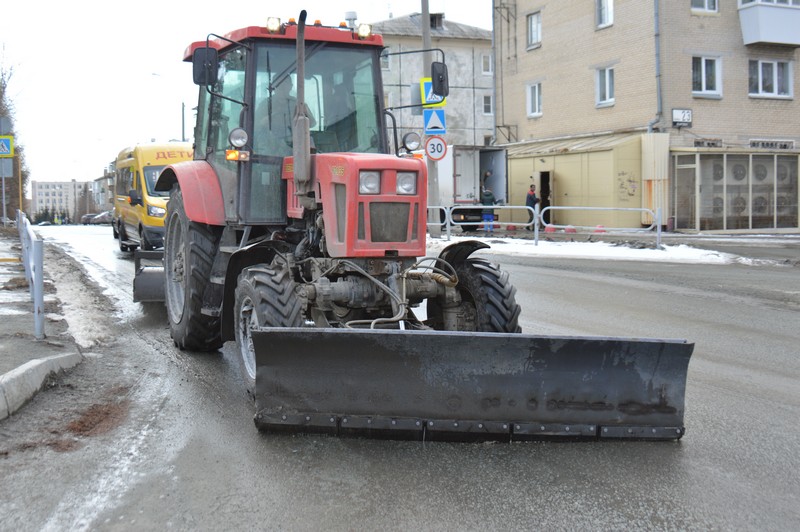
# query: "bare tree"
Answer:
x=18 y=163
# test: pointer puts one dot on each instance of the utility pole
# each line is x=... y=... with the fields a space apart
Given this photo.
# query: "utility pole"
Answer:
x=435 y=229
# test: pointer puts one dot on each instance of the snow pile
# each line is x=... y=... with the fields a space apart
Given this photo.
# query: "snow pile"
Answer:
x=591 y=250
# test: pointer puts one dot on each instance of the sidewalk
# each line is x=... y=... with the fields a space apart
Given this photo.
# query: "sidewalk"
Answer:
x=25 y=362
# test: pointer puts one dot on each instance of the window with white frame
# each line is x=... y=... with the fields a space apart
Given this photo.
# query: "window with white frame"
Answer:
x=385 y=63
x=704 y=5
x=706 y=77
x=487 y=104
x=487 y=64
x=779 y=2
x=605 y=13
x=534 y=98
x=534 y=29
x=770 y=78
x=605 y=86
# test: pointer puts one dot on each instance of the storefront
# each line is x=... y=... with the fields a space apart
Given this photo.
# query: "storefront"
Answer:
x=734 y=191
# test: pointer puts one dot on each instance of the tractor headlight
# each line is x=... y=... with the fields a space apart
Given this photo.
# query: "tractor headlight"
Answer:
x=411 y=141
x=406 y=183
x=369 y=182
x=364 y=31
x=273 y=24
x=238 y=137
x=156 y=212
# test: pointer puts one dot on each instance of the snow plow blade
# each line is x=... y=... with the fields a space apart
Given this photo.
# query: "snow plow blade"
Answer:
x=463 y=386
x=148 y=279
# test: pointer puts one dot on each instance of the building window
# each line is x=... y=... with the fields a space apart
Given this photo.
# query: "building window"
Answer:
x=706 y=77
x=605 y=13
x=534 y=29
x=487 y=105
x=385 y=63
x=534 y=98
x=770 y=78
x=704 y=5
x=779 y=2
x=605 y=86
x=487 y=66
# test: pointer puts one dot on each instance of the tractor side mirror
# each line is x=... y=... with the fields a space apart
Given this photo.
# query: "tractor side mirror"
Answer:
x=439 y=82
x=205 y=62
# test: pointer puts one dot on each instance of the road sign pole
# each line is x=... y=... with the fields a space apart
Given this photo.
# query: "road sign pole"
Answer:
x=5 y=218
x=434 y=228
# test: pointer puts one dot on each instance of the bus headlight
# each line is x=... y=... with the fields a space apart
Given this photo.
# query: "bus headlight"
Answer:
x=406 y=183
x=156 y=212
x=369 y=182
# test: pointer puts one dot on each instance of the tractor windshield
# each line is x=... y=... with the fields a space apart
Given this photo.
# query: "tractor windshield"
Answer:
x=341 y=92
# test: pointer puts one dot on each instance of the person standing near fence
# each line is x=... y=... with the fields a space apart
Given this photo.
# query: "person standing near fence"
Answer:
x=487 y=198
x=530 y=201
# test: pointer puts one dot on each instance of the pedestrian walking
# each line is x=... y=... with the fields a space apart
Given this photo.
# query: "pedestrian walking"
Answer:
x=530 y=201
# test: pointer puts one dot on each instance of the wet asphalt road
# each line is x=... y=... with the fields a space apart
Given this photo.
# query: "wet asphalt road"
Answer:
x=186 y=455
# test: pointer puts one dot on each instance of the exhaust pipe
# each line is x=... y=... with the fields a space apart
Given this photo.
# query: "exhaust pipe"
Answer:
x=301 y=132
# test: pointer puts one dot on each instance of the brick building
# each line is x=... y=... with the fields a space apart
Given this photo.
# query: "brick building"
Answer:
x=687 y=106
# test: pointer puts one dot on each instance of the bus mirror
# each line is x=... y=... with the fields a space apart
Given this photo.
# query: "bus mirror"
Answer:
x=439 y=81
x=204 y=66
x=134 y=197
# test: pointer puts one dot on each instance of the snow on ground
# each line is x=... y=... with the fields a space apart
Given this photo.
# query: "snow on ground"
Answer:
x=592 y=250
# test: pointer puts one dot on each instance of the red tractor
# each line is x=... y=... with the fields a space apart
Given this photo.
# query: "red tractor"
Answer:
x=299 y=231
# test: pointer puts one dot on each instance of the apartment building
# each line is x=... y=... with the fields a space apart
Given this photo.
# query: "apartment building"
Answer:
x=469 y=109
x=74 y=198
x=684 y=106
x=55 y=196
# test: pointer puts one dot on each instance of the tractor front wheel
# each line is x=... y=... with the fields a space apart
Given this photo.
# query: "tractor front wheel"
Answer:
x=265 y=297
x=488 y=299
x=189 y=249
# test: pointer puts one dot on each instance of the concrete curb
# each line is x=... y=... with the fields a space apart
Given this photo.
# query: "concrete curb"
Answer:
x=19 y=385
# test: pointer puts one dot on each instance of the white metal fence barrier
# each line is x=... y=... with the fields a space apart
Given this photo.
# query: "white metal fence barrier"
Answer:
x=33 y=259
x=446 y=221
x=539 y=218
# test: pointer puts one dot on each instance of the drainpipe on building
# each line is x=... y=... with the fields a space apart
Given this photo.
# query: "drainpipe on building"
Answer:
x=659 y=103
x=495 y=67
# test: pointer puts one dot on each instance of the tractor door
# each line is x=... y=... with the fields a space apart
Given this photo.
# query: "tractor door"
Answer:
x=221 y=109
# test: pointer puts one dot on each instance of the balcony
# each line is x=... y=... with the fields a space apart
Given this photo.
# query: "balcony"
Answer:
x=770 y=22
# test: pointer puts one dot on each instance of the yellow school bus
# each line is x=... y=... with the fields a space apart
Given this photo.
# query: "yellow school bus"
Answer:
x=139 y=210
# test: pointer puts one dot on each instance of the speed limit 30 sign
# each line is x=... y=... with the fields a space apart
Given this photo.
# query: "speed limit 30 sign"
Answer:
x=435 y=148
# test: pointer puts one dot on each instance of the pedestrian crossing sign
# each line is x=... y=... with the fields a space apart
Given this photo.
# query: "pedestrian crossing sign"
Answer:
x=6 y=146
x=429 y=99
x=434 y=121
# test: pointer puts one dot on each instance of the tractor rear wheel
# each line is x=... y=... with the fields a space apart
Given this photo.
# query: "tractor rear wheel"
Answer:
x=265 y=297
x=488 y=299
x=189 y=249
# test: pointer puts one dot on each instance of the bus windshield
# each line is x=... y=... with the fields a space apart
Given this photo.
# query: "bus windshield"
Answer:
x=150 y=176
x=341 y=95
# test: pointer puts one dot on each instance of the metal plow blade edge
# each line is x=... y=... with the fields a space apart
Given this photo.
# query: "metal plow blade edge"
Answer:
x=459 y=386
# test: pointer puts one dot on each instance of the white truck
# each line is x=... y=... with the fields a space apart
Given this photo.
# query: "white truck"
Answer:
x=462 y=172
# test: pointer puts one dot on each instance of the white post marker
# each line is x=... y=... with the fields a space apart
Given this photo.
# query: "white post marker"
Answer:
x=435 y=148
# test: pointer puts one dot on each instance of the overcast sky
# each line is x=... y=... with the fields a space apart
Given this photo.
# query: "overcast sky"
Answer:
x=91 y=78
